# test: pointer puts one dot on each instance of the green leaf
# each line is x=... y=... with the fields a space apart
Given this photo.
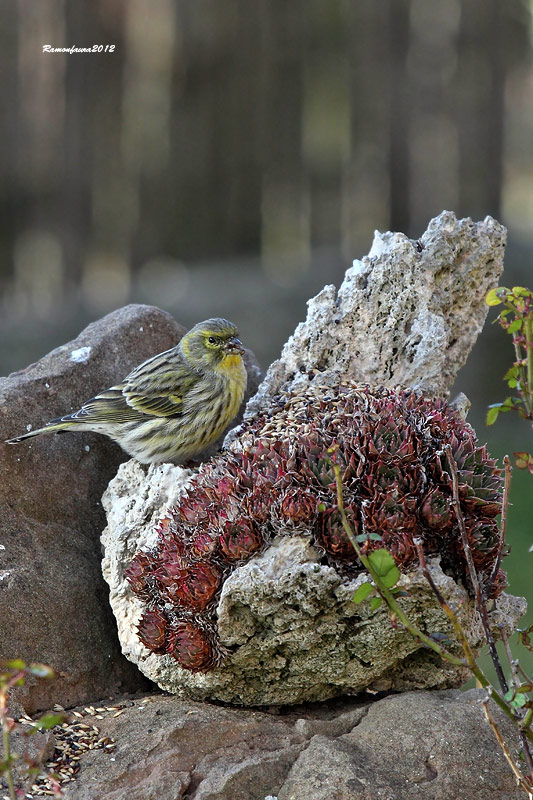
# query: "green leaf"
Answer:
x=492 y=414
x=48 y=721
x=392 y=577
x=492 y=298
x=362 y=592
x=512 y=372
x=520 y=291
x=15 y=663
x=519 y=701
x=508 y=404
x=515 y=325
x=321 y=506
x=40 y=670
x=524 y=637
x=375 y=603
x=375 y=537
x=382 y=561
x=517 y=697
x=385 y=567
x=7 y=763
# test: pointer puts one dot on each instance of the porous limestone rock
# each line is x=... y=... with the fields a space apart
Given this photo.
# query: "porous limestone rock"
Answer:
x=288 y=623
x=407 y=314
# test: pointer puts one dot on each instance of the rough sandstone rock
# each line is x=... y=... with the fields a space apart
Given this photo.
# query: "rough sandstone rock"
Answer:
x=53 y=601
x=413 y=746
x=406 y=314
x=50 y=489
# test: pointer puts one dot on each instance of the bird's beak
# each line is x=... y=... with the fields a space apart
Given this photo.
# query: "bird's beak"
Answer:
x=234 y=345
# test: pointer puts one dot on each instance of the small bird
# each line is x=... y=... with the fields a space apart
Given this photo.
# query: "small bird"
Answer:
x=172 y=406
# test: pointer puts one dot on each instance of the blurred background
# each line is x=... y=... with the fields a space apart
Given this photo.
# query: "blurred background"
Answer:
x=229 y=158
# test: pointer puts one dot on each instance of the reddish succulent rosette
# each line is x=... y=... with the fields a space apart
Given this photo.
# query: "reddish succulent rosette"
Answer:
x=391 y=446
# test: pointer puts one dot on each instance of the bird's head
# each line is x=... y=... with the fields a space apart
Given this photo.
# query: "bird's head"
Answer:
x=212 y=343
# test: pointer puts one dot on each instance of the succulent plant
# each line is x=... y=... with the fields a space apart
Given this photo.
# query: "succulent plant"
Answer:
x=277 y=478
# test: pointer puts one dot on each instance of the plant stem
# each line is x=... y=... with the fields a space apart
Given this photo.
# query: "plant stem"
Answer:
x=503 y=526
x=528 y=328
x=390 y=600
x=6 y=744
x=469 y=656
x=501 y=741
x=383 y=591
x=528 y=719
x=516 y=683
x=481 y=607
x=524 y=674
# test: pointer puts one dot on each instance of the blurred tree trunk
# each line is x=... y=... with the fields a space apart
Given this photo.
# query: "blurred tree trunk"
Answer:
x=78 y=162
x=400 y=153
x=11 y=194
x=366 y=180
x=479 y=109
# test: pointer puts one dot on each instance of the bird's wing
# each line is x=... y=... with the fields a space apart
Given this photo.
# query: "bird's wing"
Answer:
x=158 y=405
x=158 y=387
x=109 y=406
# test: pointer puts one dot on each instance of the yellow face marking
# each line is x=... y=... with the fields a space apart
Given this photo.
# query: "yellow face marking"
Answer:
x=232 y=366
x=232 y=360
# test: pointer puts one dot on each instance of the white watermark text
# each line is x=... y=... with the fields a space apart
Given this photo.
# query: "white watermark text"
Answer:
x=96 y=48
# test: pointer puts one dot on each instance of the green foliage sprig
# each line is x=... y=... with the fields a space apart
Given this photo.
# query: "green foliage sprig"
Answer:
x=516 y=317
x=14 y=673
x=516 y=699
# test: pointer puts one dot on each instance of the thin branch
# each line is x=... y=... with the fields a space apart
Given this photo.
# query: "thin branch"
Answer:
x=526 y=677
x=516 y=683
x=512 y=662
x=503 y=525
x=528 y=330
x=470 y=659
x=390 y=600
x=481 y=607
x=523 y=782
x=6 y=743
x=528 y=719
x=387 y=596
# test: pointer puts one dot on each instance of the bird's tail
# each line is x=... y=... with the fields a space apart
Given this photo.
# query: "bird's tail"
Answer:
x=55 y=426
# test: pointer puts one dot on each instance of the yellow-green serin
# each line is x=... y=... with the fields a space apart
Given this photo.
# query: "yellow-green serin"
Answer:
x=172 y=406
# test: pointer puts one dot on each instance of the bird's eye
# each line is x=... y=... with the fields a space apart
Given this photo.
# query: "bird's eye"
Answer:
x=212 y=340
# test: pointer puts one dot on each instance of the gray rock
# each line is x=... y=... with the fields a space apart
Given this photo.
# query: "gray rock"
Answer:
x=53 y=601
x=407 y=314
x=414 y=746
x=418 y=746
x=293 y=632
